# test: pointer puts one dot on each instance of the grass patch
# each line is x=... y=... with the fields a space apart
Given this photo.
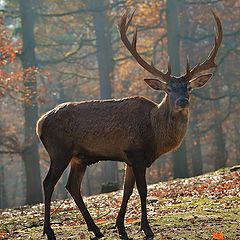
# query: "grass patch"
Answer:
x=188 y=216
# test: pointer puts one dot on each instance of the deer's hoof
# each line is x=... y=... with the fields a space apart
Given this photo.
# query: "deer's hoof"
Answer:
x=149 y=238
x=98 y=235
x=49 y=232
x=125 y=237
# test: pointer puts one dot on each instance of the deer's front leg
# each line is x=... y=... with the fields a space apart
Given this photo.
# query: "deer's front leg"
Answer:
x=139 y=170
x=129 y=182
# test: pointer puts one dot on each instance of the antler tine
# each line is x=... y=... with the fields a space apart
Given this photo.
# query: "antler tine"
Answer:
x=169 y=68
x=122 y=22
x=134 y=41
x=123 y=26
x=130 y=19
x=208 y=63
x=187 y=68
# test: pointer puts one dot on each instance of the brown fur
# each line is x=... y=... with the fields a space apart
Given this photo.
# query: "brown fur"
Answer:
x=133 y=130
x=111 y=128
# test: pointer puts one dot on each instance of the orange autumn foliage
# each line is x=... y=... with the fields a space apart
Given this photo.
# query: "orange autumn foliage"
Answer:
x=218 y=236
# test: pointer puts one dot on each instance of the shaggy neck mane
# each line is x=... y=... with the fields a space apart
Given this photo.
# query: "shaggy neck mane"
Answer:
x=170 y=127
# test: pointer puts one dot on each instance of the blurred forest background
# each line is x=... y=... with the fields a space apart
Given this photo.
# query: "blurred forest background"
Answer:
x=57 y=51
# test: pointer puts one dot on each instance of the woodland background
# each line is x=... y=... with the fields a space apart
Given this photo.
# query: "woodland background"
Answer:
x=56 y=51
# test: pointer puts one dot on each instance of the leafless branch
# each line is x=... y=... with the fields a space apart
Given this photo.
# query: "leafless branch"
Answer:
x=218 y=120
x=198 y=39
x=67 y=56
x=203 y=2
x=80 y=11
x=9 y=152
x=233 y=94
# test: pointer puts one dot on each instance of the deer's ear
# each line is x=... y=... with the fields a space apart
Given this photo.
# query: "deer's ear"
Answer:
x=156 y=84
x=200 y=81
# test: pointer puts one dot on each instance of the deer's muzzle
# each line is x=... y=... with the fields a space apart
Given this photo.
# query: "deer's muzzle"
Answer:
x=182 y=103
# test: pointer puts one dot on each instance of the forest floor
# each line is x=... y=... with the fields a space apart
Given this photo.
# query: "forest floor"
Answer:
x=203 y=207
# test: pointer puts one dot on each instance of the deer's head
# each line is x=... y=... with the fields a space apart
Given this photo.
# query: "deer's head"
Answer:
x=178 y=88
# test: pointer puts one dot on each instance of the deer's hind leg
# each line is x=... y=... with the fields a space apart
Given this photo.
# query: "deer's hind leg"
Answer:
x=129 y=182
x=73 y=186
x=139 y=171
x=59 y=162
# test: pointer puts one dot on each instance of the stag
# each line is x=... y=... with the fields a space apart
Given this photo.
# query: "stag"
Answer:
x=134 y=130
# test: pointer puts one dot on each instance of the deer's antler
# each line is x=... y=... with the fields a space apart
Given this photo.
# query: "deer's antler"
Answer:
x=123 y=27
x=208 y=63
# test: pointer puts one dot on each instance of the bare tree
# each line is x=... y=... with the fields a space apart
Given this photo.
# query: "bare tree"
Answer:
x=30 y=152
x=105 y=68
x=180 y=169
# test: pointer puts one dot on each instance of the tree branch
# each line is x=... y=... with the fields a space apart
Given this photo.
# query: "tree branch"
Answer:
x=219 y=120
x=9 y=152
x=80 y=11
x=194 y=39
x=67 y=56
x=233 y=94
x=203 y=2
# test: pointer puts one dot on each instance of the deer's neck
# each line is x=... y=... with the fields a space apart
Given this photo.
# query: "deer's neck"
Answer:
x=169 y=127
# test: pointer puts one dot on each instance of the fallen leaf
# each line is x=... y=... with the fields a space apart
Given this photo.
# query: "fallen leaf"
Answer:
x=218 y=236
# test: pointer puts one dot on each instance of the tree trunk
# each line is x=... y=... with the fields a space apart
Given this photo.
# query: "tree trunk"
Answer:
x=180 y=169
x=237 y=143
x=3 y=200
x=197 y=164
x=105 y=68
x=103 y=46
x=196 y=150
x=221 y=154
x=220 y=159
x=30 y=153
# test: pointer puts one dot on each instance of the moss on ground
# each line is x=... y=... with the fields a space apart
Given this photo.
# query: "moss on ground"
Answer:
x=175 y=218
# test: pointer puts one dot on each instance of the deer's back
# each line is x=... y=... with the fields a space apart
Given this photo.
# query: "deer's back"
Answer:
x=102 y=128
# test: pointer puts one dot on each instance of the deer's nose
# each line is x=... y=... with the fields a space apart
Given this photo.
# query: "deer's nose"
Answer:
x=182 y=102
